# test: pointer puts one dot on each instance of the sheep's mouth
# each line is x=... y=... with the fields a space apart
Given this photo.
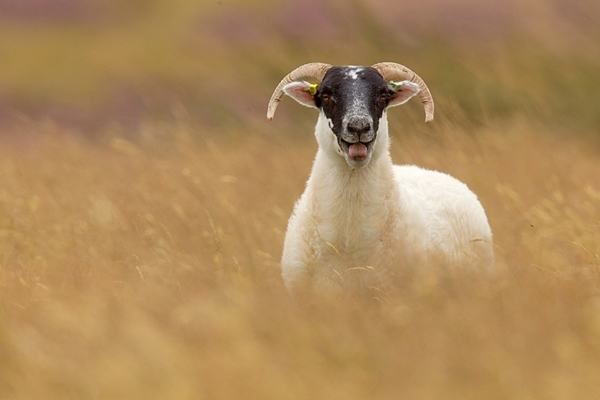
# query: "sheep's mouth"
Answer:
x=358 y=151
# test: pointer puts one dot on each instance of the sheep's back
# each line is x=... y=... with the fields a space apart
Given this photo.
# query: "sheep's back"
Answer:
x=444 y=217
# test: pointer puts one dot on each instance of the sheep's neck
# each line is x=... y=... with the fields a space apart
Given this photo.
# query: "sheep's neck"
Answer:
x=353 y=205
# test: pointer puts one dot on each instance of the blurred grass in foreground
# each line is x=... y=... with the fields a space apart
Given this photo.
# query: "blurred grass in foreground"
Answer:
x=150 y=271
x=143 y=200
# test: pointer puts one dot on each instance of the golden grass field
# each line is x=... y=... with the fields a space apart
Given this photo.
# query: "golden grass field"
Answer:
x=140 y=238
x=150 y=270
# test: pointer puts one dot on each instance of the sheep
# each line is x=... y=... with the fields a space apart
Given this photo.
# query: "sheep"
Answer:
x=362 y=221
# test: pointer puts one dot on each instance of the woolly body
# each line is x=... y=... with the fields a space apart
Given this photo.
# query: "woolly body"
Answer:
x=360 y=226
x=362 y=221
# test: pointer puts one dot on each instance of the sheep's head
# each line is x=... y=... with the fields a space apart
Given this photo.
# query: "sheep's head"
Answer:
x=353 y=100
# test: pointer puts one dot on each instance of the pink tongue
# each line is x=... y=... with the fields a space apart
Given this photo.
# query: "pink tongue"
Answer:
x=357 y=150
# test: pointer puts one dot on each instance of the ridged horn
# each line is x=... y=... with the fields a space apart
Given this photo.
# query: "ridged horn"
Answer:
x=397 y=72
x=312 y=71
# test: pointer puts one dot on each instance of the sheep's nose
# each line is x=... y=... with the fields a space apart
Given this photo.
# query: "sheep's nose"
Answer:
x=358 y=126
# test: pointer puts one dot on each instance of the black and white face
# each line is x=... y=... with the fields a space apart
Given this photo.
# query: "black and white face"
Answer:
x=353 y=99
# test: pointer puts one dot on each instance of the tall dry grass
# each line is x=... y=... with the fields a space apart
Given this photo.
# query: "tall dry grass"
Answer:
x=148 y=269
x=143 y=200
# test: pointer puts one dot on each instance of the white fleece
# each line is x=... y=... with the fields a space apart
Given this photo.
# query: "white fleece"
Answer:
x=360 y=227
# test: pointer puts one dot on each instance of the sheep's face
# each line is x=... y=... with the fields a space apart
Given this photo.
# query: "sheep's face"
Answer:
x=353 y=99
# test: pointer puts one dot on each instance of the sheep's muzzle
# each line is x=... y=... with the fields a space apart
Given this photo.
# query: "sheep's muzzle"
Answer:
x=357 y=150
x=357 y=153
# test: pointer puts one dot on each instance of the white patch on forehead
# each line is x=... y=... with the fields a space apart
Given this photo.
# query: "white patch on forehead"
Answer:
x=353 y=73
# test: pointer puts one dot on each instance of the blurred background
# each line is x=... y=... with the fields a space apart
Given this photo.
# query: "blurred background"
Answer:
x=87 y=62
x=144 y=198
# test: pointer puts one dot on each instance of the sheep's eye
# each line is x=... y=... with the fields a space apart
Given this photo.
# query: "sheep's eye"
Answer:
x=384 y=96
x=325 y=97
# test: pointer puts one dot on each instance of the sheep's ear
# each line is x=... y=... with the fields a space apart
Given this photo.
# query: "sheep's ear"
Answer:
x=403 y=92
x=302 y=92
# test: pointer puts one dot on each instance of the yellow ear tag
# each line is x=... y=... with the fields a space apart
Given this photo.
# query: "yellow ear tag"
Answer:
x=312 y=89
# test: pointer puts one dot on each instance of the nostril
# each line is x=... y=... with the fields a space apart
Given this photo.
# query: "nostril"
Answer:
x=359 y=127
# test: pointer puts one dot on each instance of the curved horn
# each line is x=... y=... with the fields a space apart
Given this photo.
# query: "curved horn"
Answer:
x=314 y=71
x=393 y=71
